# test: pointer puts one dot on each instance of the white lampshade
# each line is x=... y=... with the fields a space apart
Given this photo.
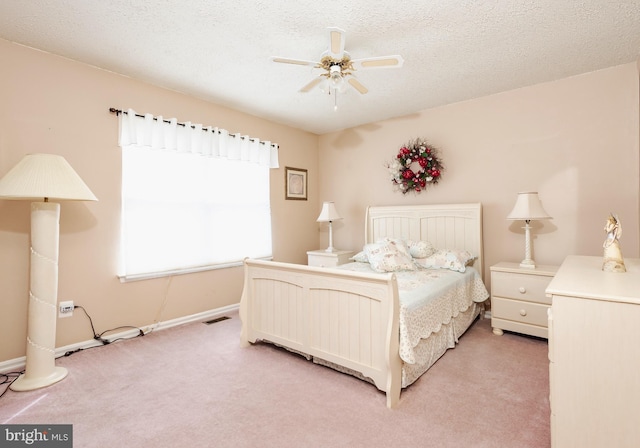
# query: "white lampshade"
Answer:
x=39 y=176
x=528 y=207
x=328 y=213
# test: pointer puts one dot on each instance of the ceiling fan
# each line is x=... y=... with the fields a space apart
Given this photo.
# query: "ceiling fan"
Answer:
x=338 y=67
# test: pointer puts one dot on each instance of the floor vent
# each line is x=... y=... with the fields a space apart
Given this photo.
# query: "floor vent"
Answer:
x=217 y=319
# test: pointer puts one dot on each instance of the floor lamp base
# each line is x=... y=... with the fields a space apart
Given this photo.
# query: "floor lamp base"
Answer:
x=24 y=383
x=40 y=370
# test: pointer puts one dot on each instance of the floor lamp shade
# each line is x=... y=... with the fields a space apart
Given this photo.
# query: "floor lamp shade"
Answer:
x=41 y=177
x=528 y=207
x=329 y=214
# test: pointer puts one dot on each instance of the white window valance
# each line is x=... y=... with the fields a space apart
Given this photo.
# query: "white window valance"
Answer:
x=156 y=132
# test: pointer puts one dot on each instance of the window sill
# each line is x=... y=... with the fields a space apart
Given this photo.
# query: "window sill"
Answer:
x=152 y=275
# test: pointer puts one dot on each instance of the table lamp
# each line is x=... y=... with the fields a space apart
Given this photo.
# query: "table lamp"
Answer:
x=329 y=214
x=528 y=207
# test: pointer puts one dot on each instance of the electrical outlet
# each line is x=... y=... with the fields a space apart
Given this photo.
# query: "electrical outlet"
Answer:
x=65 y=309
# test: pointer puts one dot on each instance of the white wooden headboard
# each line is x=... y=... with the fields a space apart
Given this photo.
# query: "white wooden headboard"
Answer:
x=446 y=226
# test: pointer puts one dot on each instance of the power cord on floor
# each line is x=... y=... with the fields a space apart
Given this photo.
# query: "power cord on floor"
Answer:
x=100 y=336
x=8 y=378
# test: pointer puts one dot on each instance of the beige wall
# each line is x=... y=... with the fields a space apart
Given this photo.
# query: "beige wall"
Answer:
x=575 y=141
x=50 y=104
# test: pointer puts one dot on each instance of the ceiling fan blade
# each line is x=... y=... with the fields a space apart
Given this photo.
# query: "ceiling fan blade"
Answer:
x=394 y=61
x=357 y=85
x=294 y=61
x=314 y=82
x=336 y=43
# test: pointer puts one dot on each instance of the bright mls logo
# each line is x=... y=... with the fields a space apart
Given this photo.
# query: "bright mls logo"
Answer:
x=36 y=436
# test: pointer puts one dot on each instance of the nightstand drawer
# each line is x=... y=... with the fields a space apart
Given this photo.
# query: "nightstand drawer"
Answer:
x=520 y=287
x=515 y=310
x=322 y=262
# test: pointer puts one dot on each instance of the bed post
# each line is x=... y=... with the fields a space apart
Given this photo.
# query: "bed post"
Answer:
x=244 y=318
x=394 y=363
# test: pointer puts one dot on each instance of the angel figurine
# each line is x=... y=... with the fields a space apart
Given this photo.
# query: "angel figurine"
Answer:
x=613 y=261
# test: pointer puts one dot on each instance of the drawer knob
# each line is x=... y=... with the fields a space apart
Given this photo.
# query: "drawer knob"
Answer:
x=522 y=289
x=523 y=312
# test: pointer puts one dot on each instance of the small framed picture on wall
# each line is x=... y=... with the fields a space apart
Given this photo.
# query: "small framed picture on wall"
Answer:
x=295 y=183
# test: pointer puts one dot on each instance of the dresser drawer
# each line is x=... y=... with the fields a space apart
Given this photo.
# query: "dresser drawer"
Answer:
x=520 y=287
x=515 y=310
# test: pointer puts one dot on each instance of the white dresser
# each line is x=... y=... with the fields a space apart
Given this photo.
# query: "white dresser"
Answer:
x=518 y=300
x=324 y=259
x=594 y=354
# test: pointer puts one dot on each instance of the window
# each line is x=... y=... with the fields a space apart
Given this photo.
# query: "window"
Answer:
x=195 y=207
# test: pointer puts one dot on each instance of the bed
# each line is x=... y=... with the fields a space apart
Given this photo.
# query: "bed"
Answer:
x=359 y=321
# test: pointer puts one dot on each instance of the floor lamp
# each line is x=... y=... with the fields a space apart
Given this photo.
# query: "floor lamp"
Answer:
x=329 y=214
x=528 y=207
x=40 y=177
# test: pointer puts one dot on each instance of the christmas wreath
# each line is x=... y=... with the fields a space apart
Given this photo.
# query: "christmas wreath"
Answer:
x=416 y=165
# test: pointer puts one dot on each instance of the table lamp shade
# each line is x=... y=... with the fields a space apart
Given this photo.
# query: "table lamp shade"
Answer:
x=39 y=176
x=328 y=213
x=528 y=207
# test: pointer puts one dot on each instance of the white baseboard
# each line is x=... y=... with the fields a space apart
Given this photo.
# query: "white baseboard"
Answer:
x=17 y=364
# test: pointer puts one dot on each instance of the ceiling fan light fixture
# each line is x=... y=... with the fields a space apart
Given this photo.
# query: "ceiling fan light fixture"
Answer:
x=335 y=77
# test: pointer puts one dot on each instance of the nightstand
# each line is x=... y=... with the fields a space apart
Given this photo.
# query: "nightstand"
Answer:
x=324 y=259
x=518 y=299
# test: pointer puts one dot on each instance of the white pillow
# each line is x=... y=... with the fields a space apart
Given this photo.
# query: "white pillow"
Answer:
x=360 y=257
x=452 y=259
x=389 y=255
x=421 y=249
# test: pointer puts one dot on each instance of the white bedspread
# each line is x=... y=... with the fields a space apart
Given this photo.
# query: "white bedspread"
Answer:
x=430 y=298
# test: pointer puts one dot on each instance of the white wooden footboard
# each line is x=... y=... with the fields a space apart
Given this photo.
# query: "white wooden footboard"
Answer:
x=347 y=318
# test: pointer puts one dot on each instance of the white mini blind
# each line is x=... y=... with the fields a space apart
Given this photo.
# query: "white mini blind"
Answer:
x=192 y=199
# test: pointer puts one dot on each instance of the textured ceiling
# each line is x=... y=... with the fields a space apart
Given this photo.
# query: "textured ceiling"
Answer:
x=221 y=51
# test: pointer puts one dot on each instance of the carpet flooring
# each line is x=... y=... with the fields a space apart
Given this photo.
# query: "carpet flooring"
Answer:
x=193 y=386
